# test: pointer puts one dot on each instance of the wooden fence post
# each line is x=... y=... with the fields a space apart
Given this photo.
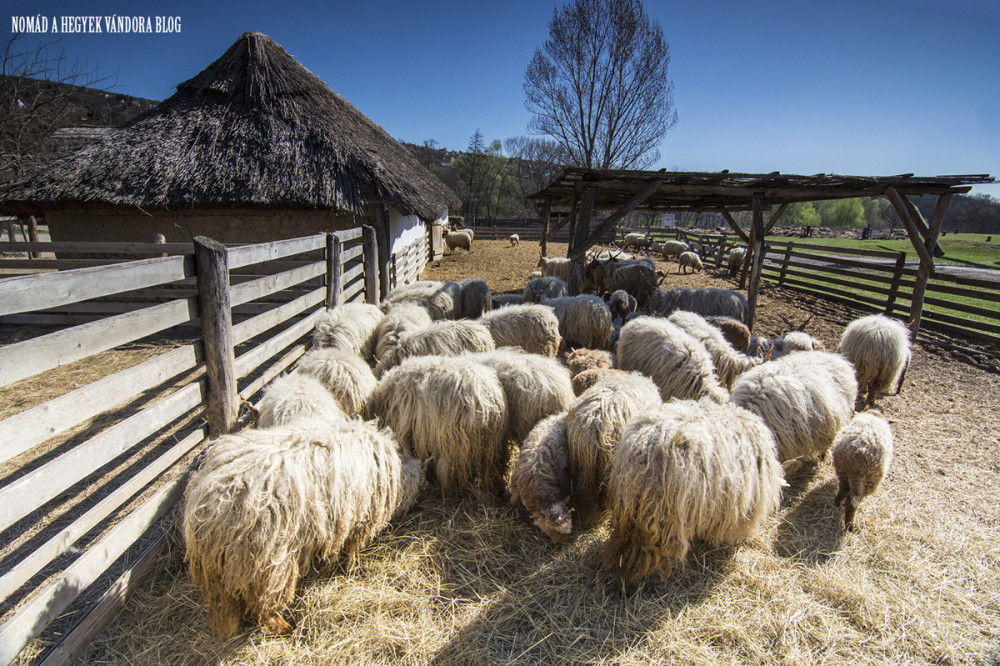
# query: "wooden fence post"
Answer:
x=370 y=242
x=215 y=312
x=719 y=252
x=784 y=264
x=897 y=276
x=334 y=271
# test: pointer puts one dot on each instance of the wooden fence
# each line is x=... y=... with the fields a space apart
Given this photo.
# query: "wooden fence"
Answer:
x=87 y=478
x=406 y=264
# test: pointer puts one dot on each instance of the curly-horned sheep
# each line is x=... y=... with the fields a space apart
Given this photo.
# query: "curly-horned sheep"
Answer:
x=442 y=300
x=706 y=301
x=442 y=338
x=541 y=481
x=532 y=327
x=879 y=348
x=674 y=248
x=476 y=298
x=735 y=332
x=683 y=471
x=349 y=327
x=295 y=396
x=861 y=453
x=451 y=411
x=458 y=239
x=545 y=286
x=584 y=320
x=635 y=275
x=265 y=505
x=735 y=260
x=622 y=304
x=404 y=319
x=678 y=363
x=345 y=375
x=689 y=260
x=729 y=363
x=514 y=240
x=804 y=398
x=594 y=426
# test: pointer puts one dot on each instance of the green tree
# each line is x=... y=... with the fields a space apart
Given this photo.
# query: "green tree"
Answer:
x=849 y=213
x=800 y=214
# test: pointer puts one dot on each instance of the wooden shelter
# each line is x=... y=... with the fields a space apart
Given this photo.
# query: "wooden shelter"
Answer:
x=583 y=192
x=252 y=149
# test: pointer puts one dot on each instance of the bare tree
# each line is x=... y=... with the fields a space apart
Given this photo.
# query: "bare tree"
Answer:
x=537 y=161
x=599 y=85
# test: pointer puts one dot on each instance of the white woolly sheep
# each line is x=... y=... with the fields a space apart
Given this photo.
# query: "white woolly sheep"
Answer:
x=350 y=327
x=345 y=375
x=594 y=426
x=404 y=319
x=466 y=230
x=451 y=410
x=861 y=453
x=879 y=348
x=442 y=300
x=560 y=267
x=689 y=260
x=637 y=241
x=514 y=240
x=734 y=263
x=678 y=363
x=804 y=398
x=458 y=239
x=532 y=327
x=584 y=320
x=622 y=304
x=687 y=471
x=545 y=286
x=674 y=248
x=585 y=379
x=795 y=341
x=707 y=301
x=476 y=298
x=442 y=338
x=265 y=505
x=729 y=363
x=540 y=480
x=294 y=396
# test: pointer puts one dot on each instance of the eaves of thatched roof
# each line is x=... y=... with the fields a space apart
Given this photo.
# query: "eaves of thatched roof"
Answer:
x=254 y=129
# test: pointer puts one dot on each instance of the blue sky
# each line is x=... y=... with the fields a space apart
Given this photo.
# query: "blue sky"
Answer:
x=861 y=87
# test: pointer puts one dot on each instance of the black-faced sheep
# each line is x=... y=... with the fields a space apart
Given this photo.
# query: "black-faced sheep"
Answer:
x=676 y=361
x=687 y=470
x=500 y=300
x=861 y=453
x=294 y=396
x=350 y=327
x=584 y=320
x=594 y=426
x=458 y=239
x=707 y=301
x=622 y=304
x=441 y=338
x=532 y=327
x=345 y=375
x=804 y=398
x=879 y=348
x=689 y=260
x=265 y=505
x=540 y=480
x=546 y=286
x=729 y=363
x=476 y=298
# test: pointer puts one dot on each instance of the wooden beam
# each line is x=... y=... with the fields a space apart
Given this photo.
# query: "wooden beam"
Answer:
x=578 y=246
x=732 y=223
x=758 y=256
x=774 y=218
x=898 y=202
x=613 y=219
x=920 y=284
x=369 y=240
x=543 y=244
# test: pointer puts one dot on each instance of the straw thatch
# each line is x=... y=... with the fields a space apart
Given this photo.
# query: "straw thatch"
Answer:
x=253 y=129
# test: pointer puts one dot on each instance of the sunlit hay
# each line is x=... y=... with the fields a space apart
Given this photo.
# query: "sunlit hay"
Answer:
x=344 y=374
x=687 y=470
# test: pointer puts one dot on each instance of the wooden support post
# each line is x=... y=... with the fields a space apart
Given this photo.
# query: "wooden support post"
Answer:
x=334 y=271
x=747 y=260
x=382 y=231
x=774 y=218
x=543 y=245
x=369 y=239
x=925 y=272
x=613 y=219
x=29 y=222
x=720 y=251
x=784 y=264
x=898 y=202
x=758 y=256
x=732 y=223
x=897 y=276
x=578 y=241
x=215 y=313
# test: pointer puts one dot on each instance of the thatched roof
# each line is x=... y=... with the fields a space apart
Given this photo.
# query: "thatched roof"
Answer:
x=254 y=129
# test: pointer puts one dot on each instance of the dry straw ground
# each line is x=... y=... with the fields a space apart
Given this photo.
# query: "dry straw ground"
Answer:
x=464 y=581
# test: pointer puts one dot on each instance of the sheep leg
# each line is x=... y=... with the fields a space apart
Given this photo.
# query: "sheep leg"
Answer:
x=842 y=492
x=899 y=384
x=275 y=623
x=224 y=614
x=850 y=507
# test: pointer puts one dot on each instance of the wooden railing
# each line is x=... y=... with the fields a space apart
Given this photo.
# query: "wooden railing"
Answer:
x=406 y=265
x=87 y=478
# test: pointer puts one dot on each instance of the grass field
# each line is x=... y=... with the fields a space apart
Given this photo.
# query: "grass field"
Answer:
x=959 y=249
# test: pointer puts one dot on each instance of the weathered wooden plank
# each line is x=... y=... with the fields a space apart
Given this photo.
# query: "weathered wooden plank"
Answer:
x=352 y=274
x=215 y=308
x=370 y=264
x=33 y=490
x=351 y=253
x=249 y=291
x=28 y=293
x=803 y=247
x=252 y=359
x=992 y=295
x=21 y=432
x=347 y=235
x=57 y=545
x=251 y=389
x=246 y=255
x=826 y=279
x=837 y=270
x=253 y=327
x=99 y=248
x=839 y=295
x=53 y=599
x=30 y=357
x=354 y=288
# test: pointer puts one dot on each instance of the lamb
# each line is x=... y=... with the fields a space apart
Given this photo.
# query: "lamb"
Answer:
x=546 y=286
x=458 y=239
x=737 y=256
x=735 y=332
x=879 y=348
x=405 y=318
x=350 y=327
x=584 y=379
x=514 y=240
x=451 y=410
x=674 y=248
x=540 y=480
x=579 y=360
x=862 y=453
x=804 y=398
x=294 y=396
x=532 y=327
x=729 y=363
x=345 y=375
x=689 y=260
x=442 y=300
x=594 y=426
x=475 y=299
x=622 y=304
x=584 y=320
x=678 y=363
x=707 y=301
x=264 y=505
x=440 y=338
x=683 y=471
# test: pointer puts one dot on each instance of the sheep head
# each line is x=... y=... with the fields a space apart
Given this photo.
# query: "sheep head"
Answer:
x=556 y=520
